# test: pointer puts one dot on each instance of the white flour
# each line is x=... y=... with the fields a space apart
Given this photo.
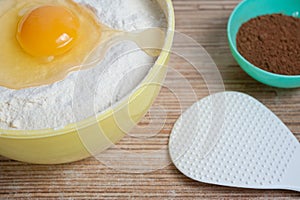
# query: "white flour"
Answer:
x=51 y=106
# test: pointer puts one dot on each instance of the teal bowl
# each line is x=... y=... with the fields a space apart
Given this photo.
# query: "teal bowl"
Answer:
x=247 y=10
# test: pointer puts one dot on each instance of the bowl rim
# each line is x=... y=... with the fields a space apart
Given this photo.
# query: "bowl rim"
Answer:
x=106 y=113
x=234 y=48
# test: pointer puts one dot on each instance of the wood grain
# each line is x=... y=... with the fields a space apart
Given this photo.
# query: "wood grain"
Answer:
x=204 y=21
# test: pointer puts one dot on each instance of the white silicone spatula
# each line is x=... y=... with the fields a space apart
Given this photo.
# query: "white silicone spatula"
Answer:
x=231 y=139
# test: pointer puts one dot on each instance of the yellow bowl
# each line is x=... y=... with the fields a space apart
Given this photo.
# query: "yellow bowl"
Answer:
x=83 y=139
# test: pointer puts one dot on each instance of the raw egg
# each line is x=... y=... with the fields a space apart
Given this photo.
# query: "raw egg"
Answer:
x=43 y=40
x=48 y=31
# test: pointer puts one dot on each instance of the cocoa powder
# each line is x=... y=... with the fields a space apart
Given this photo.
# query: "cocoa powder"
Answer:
x=272 y=43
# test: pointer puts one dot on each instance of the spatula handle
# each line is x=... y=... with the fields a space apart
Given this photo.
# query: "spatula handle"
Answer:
x=291 y=180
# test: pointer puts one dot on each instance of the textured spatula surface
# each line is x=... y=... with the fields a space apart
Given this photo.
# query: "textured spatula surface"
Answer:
x=232 y=139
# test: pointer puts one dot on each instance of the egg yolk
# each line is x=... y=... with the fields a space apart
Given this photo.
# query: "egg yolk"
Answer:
x=48 y=31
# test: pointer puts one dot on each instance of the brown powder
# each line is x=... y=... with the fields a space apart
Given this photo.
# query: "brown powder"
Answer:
x=272 y=43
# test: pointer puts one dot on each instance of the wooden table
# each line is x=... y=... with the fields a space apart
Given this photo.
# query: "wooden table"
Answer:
x=205 y=21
